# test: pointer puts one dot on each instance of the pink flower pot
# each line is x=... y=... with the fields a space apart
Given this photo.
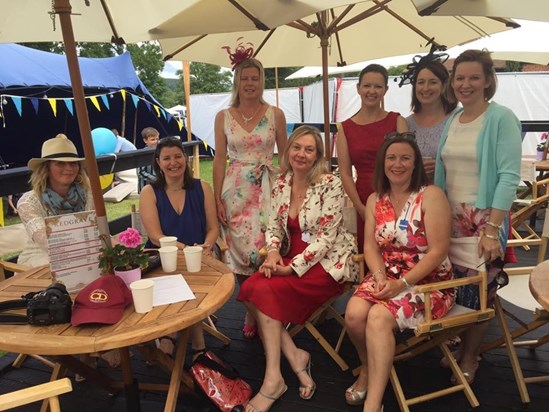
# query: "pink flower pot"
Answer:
x=128 y=276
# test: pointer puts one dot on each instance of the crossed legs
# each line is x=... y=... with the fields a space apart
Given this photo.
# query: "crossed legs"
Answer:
x=276 y=340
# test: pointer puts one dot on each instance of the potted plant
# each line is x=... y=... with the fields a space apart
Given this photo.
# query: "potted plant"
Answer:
x=126 y=258
x=541 y=145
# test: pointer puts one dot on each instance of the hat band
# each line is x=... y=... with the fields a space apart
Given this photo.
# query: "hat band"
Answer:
x=60 y=155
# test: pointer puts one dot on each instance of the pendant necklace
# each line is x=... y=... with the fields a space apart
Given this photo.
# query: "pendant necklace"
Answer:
x=248 y=119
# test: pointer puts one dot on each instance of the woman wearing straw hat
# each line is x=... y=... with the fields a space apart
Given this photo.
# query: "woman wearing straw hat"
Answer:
x=59 y=185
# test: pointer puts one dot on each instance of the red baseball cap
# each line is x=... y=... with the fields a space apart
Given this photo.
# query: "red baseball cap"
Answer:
x=102 y=301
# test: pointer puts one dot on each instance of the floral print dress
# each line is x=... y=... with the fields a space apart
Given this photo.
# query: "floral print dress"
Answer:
x=403 y=243
x=247 y=189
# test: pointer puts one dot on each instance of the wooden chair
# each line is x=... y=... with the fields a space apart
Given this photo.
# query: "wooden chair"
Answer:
x=517 y=293
x=436 y=332
x=529 y=202
x=49 y=391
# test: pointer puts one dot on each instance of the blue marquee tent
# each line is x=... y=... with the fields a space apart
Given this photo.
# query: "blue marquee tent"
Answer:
x=36 y=101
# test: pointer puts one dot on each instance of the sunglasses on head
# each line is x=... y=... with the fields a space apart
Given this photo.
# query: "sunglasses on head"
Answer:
x=502 y=278
x=404 y=135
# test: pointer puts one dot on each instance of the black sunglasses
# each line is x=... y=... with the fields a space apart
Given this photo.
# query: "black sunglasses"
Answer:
x=404 y=135
x=502 y=278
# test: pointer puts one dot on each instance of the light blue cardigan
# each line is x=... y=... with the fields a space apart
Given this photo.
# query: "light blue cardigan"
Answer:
x=499 y=149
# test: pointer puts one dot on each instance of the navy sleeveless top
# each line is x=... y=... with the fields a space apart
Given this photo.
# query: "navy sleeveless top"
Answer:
x=190 y=226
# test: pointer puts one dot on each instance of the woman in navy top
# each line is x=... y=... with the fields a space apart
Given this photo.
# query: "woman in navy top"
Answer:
x=175 y=204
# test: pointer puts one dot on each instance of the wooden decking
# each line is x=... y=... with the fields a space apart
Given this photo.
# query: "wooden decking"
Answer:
x=494 y=385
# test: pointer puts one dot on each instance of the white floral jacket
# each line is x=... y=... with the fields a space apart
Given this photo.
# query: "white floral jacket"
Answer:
x=321 y=217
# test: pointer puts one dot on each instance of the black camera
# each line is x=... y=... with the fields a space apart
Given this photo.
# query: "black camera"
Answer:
x=50 y=306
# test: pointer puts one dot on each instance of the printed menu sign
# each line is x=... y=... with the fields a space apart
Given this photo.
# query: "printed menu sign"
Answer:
x=73 y=246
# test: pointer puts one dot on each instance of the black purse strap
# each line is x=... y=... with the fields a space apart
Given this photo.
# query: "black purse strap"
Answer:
x=230 y=372
x=13 y=318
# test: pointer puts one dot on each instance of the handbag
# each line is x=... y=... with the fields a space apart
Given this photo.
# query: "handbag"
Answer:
x=220 y=382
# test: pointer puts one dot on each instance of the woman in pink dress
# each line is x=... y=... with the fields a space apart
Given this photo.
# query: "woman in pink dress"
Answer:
x=359 y=138
x=309 y=257
x=406 y=242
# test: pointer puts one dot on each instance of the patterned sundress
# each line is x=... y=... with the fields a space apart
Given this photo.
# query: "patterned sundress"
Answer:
x=247 y=190
x=403 y=244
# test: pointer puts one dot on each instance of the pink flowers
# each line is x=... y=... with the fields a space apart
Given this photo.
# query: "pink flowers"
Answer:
x=130 y=238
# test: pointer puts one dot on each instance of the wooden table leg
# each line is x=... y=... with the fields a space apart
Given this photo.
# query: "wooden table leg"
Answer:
x=58 y=372
x=131 y=386
x=175 y=379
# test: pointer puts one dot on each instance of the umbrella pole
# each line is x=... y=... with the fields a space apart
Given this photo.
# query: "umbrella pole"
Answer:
x=327 y=139
x=187 y=88
x=63 y=9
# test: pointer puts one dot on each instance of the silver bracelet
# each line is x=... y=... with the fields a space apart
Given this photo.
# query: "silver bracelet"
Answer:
x=403 y=279
x=491 y=236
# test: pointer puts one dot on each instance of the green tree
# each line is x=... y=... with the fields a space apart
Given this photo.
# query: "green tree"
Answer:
x=205 y=78
x=147 y=59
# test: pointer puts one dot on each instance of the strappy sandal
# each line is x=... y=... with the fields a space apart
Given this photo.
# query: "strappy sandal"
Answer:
x=272 y=398
x=354 y=397
x=469 y=374
x=196 y=353
x=249 y=331
x=310 y=388
x=457 y=354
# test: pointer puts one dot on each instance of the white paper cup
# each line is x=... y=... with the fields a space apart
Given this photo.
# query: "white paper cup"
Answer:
x=142 y=293
x=193 y=258
x=168 y=241
x=168 y=257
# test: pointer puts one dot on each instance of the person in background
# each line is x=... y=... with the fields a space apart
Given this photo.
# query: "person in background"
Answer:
x=407 y=236
x=146 y=174
x=175 y=204
x=247 y=132
x=360 y=137
x=59 y=185
x=309 y=256
x=122 y=144
x=478 y=166
x=12 y=204
x=430 y=108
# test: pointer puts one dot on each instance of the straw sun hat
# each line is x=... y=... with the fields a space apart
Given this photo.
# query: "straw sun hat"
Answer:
x=59 y=148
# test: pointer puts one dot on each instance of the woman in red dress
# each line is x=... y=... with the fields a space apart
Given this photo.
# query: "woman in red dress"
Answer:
x=308 y=259
x=359 y=139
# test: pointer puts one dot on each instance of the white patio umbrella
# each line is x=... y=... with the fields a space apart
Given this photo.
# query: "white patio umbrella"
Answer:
x=527 y=9
x=133 y=21
x=365 y=30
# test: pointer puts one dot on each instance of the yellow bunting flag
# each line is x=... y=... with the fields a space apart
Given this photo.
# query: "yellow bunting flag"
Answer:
x=53 y=104
x=123 y=93
x=180 y=124
x=96 y=103
x=157 y=110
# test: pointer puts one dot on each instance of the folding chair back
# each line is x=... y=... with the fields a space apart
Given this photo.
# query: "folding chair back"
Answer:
x=435 y=332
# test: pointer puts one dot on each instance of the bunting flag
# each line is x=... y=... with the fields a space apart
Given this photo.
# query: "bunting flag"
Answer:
x=123 y=93
x=135 y=101
x=105 y=100
x=53 y=104
x=157 y=110
x=70 y=105
x=17 y=102
x=34 y=102
x=95 y=103
x=148 y=105
x=179 y=124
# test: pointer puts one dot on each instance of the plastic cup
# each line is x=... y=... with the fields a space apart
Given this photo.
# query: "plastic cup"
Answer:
x=142 y=293
x=168 y=241
x=168 y=257
x=193 y=258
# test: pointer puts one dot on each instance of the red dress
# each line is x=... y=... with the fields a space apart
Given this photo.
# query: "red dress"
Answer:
x=290 y=299
x=364 y=142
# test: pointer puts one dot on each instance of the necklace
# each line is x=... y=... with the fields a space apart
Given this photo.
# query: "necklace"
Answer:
x=248 y=119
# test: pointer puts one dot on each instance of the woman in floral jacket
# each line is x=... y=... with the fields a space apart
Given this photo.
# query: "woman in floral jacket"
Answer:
x=308 y=260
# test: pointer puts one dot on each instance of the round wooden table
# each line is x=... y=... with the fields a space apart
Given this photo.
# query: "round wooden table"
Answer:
x=539 y=284
x=212 y=286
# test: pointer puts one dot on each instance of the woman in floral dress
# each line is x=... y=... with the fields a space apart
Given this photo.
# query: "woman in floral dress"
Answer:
x=407 y=235
x=247 y=132
x=308 y=258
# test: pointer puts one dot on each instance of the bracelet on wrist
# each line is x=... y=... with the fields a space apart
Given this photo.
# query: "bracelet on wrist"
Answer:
x=406 y=283
x=379 y=271
x=491 y=236
x=492 y=224
x=272 y=249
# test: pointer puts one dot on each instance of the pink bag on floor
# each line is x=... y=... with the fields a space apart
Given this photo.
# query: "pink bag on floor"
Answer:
x=220 y=382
